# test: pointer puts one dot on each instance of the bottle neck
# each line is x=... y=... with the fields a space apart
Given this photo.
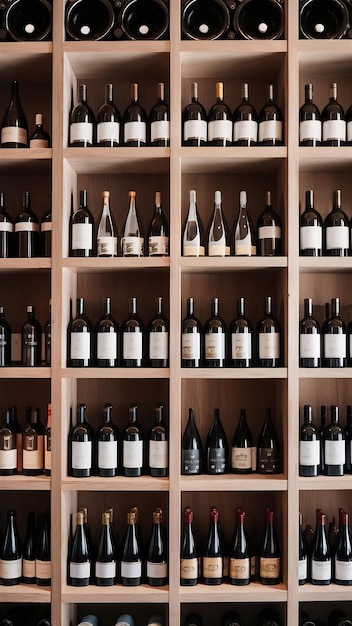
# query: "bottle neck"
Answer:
x=190 y=307
x=215 y=307
x=133 y=306
x=107 y=306
x=308 y=307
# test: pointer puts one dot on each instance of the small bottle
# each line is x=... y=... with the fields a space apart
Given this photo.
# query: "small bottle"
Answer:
x=157 y=554
x=107 y=441
x=133 y=445
x=220 y=129
x=11 y=553
x=269 y=556
x=309 y=445
x=159 y=120
x=131 y=564
x=39 y=138
x=214 y=338
x=240 y=338
x=8 y=446
x=82 y=122
x=269 y=230
x=320 y=559
x=337 y=229
x=5 y=340
x=270 y=122
x=218 y=235
x=212 y=558
x=268 y=447
x=243 y=233
x=14 y=128
x=107 y=338
x=333 y=121
x=108 y=121
x=194 y=121
x=309 y=337
x=245 y=121
x=107 y=232
x=309 y=120
x=132 y=338
x=81 y=229
x=302 y=554
x=79 y=558
x=189 y=566
x=31 y=341
x=334 y=338
x=191 y=449
x=6 y=231
x=268 y=337
x=105 y=565
x=132 y=237
x=158 y=231
x=216 y=447
x=81 y=439
x=26 y=230
x=241 y=449
x=191 y=338
x=46 y=232
x=239 y=553
x=134 y=121
x=80 y=338
x=193 y=237
x=310 y=229
x=334 y=445
x=158 y=445
x=158 y=338
x=43 y=552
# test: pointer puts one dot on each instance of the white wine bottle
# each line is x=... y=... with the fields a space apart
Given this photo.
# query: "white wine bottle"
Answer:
x=132 y=240
x=244 y=234
x=107 y=233
x=218 y=239
x=193 y=231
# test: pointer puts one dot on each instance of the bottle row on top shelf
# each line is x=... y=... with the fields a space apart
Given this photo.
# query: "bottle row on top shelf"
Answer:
x=24 y=237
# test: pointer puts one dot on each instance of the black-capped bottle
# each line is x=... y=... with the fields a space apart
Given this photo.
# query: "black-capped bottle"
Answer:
x=108 y=121
x=79 y=559
x=193 y=236
x=269 y=554
x=216 y=447
x=240 y=567
x=5 y=340
x=245 y=121
x=132 y=338
x=270 y=122
x=82 y=122
x=333 y=120
x=14 y=127
x=334 y=445
x=191 y=448
x=107 y=338
x=334 y=338
x=81 y=439
x=189 y=565
x=132 y=237
x=80 y=338
x=131 y=563
x=158 y=231
x=244 y=237
x=310 y=228
x=348 y=441
x=158 y=445
x=6 y=231
x=134 y=121
x=241 y=448
x=159 y=120
x=320 y=559
x=11 y=553
x=269 y=232
x=302 y=554
x=81 y=227
x=268 y=337
x=46 y=232
x=214 y=338
x=212 y=558
x=33 y=445
x=191 y=338
x=343 y=553
x=240 y=338
x=28 y=551
x=133 y=445
x=158 y=338
x=309 y=337
x=43 y=567
x=31 y=340
x=8 y=445
x=26 y=230
x=107 y=441
x=220 y=130
x=107 y=231
x=39 y=137
x=268 y=447
x=323 y=422
x=105 y=564
x=337 y=229
x=309 y=445
x=157 y=554
x=310 y=129
x=218 y=234
x=194 y=121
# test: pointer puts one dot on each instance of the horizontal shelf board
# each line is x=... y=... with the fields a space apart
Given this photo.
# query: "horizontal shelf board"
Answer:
x=324 y=593
x=230 y=264
x=123 y=160
x=325 y=159
x=25 y=483
x=116 y=593
x=233 y=372
x=254 y=592
x=325 y=372
x=325 y=483
x=25 y=593
x=321 y=57
x=98 y=265
x=20 y=161
x=24 y=265
x=233 y=482
x=116 y=483
x=325 y=264
x=212 y=159
x=115 y=372
x=25 y=61
x=25 y=372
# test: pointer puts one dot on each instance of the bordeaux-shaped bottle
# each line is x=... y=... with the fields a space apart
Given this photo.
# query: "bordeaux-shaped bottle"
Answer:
x=191 y=338
x=343 y=553
x=157 y=554
x=82 y=122
x=107 y=231
x=302 y=554
x=81 y=229
x=245 y=121
x=194 y=121
x=348 y=441
x=270 y=122
x=33 y=445
x=212 y=558
x=131 y=564
x=240 y=338
x=268 y=337
x=191 y=448
x=320 y=559
x=14 y=127
x=133 y=445
x=5 y=340
x=158 y=338
x=6 y=231
x=39 y=138
x=269 y=230
x=309 y=337
x=158 y=231
x=216 y=447
x=309 y=120
x=132 y=338
x=159 y=120
x=43 y=552
x=214 y=338
x=18 y=431
x=105 y=565
x=323 y=421
x=269 y=555
x=334 y=445
x=310 y=228
x=81 y=439
x=309 y=445
x=239 y=553
x=337 y=229
x=241 y=449
x=218 y=235
x=333 y=120
x=334 y=338
x=8 y=445
x=80 y=336
x=11 y=553
x=193 y=236
x=134 y=121
x=268 y=447
x=244 y=238
x=28 y=551
x=189 y=566
x=220 y=120
x=26 y=230
x=107 y=440
x=132 y=237
x=158 y=445
x=107 y=338
x=108 y=121
x=46 y=232
x=79 y=559
x=31 y=340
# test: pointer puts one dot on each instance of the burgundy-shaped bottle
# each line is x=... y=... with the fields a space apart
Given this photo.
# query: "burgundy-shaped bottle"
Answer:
x=240 y=568
x=343 y=553
x=189 y=564
x=269 y=558
x=320 y=560
x=212 y=559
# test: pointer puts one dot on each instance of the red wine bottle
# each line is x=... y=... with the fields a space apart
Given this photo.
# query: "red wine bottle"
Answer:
x=107 y=338
x=269 y=556
x=302 y=554
x=337 y=229
x=131 y=564
x=31 y=340
x=239 y=553
x=14 y=127
x=320 y=559
x=11 y=553
x=212 y=558
x=333 y=120
x=158 y=336
x=242 y=444
x=220 y=131
x=334 y=338
x=80 y=338
x=194 y=121
x=132 y=338
x=309 y=337
x=309 y=120
x=343 y=553
x=334 y=445
x=39 y=137
x=192 y=455
x=43 y=552
x=270 y=122
x=216 y=447
x=189 y=566
x=158 y=231
x=134 y=121
x=26 y=230
x=6 y=231
x=214 y=338
x=309 y=445
x=79 y=559
x=158 y=448
x=240 y=338
x=310 y=229
x=191 y=339
x=108 y=121
x=268 y=447
x=159 y=120
x=269 y=230
x=81 y=439
x=82 y=122
x=81 y=229
x=157 y=554
x=33 y=445
x=133 y=445
x=28 y=551
x=8 y=446
x=245 y=121
x=107 y=441
x=268 y=337
x=105 y=564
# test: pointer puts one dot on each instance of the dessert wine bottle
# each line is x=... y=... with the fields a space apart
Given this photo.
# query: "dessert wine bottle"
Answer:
x=243 y=233
x=310 y=229
x=14 y=128
x=108 y=121
x=134 y=121
x=309 y=120
x=269 y=230
x=11 y=553
x=158 y=445
x=216 y=447
x=80 y=338
x=189 y=565
x=5 y=340
x=81 y=439
x=133 y=445
x=214 y=338
x=268 y=447
x=107 y=440
x=239 y=553
x=320 y=559
x=270 y=126
x=81 y=229
x=337 y=229
x=193 y=237
x=218 y=235
x=159 y=120
x=107 y=338
x=132 y=237
x=333 y=120
x=245 y=121
x=6 y=231
x=309 y=337
x=157 y=554
x=158 y=231
x=194 y=121
x=79 y=559
x=269 y=556
x=268 y=337
x=334 y=445
x=132 y=338
x=158 y=335
x=105 y=564
x=107 y=232
x=334 y=338
x=31 y=340
x=220 y=120
x=26 y=230
x=212 y=558
x=131 y=564
x=192 y=454
x=309 y=445
x=242 y=444
x=82 y=122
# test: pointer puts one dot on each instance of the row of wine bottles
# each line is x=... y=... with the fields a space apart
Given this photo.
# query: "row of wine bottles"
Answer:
x=19 y=615
x=25 y=451
x=243 y=458
x=336 y=618
x=28 y=562
x=25 y=237
x=326 y=449
x=109 y=453
x=14 y=127
x=330 y=346
x=333 y=127
x=31 y=340
x=320 y=564
x=266 y=617
x=243 y=240
x=329 y=238
x=126 y=619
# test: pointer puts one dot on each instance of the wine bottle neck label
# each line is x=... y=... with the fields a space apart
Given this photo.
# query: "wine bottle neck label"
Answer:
x=190 y=462
x=158 y=345
x=105 y=570
x=8 y=458
x=337 y=237
x=239 y=568
x=33 y=452
x=81 y=131
x=241 y=458
x=190 y=346
x=310 y=130
x=158 y=245
x=334 y=452
x=334 y=130
x=269 y=567
x=81 y=455
x=132 y=454
x=212 y=567
x=28 y=568
x=46 y=227
x=189 y=569
x=29 y=227
x=135 y=131
x=309 y=453
x=335 y=346
x=156 y=570
x=160 y=130
x=268 y=460
x=14 y=134
x=216 y=461
x=220 y=129
x=82 y=236
x=241 y=345
x=132 y=346
x=108 y=131
x=311 y=237
x=215 y=346
x=6 y=227
x=107 y=454
x=131 y=569
x=43 y=569
x=195 y=129
x=302 y=569
x=132 y=246
x=245 y=130
x=158 y=454
x=80 y=346
x=321 y=570
x=107 y=345
x=10 y=569
x=349 y=131
x=270 y=129
x=309 y=346
x=343 y=570
x=80 y=570
x=107 y=246
x=269 y=232
x=269 y=345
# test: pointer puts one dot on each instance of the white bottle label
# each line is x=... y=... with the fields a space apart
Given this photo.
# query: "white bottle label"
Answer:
x=212 y=567
x=337 y=237
x=241 y=458
x=158 y=246
x=270 y=129
x=82 y=236
x=108 y=131
x=158 y=454
x=105 y=570
x=269 y=232
x=107 y=246
x=245 y=129
x=14 y=134
x=269 y=345
x=156 y=570
x=343 y=570
x=132 y=246
x=195 y=129
x=81 y=455
x=80 y=570
x=131 y=569
x=321 y=570
x=220 y=129
x=107 y=454
x=190 y=346
x=269 y=567
x=311 y=237
x=43 y=569
x=38 y=143
x=214 y=346
x=302 y=569
x=239 y=568
x=46 y=226
x=135 y=131
x=349 y=131
x=160 y=130
x=189 y=568
x=132 y=345
x=334 y=129
x=8 y=459
x=6 y=227
x=80 y=346
x=28 y=568
x=335 y=346
x=132 y=454
x=334 y=452
x=309 y=453
x=216 y=248
x=241 y=346
x=192 y=249
x=106 y=345
x=34 y=459
x=81 y=131
x=310 y=130
x=10 y=569
x=309 y=346
x=158 y=345
x=29 y=227
x=244 y=247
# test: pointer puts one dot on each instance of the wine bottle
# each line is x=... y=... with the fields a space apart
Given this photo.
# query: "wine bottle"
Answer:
x=309 y=120
x=205 y=21
x=11 y=553
x=157 y=554
x=231 y=619
x=81 y=439
x=18 y=431
x=14 y=128
x=105 y=565
x=193 y=236
x=337 y=229
x=5 y=340
x=107 y=438
x=107 y=232
x=268 y=447
x=85 y=22
x=46 y=232
x=132 y=237
x=242 y=444
x=33 y=445
x=189 y=566
x=79 y=559
x=131 y=564
x=240 y=338
x=158 y=335
x=26 y=230
x=108 y=122
x=47 y=339
x=6 y=231
x=31 y=340
x=343 y=553
x=216 y=447
x=212 y=558
x=245 y=121
x=309 y=445
x=82 y=122
x=269 y=556
x=107 y=338
x=332 y=534
x=333 y=121
x=269 y=230
x=309 y=337
x=156 y=620
x=81 y=229
x=220 y=130
x=132 y=445
x=43 y=552
x=270 y=122
x=159 y=120
x=323 y=420
x=239 y=553
x=214 y=338
x=302 y=554
x=28 y=551
x=158 y=231
x=334 y=445
x=334 y=338
x=194 y=619
x=218 y=235
x=348 y=440
x=320 y=559
x=47 y=444
x=80 y=334
x=158 y=445
x=194 y=121
x=191 y=339
x=192 y=454
x=268 y=337
x=310 y=229
x=125 y=620
x=133 y=337
x=339 y=618
x=243 y=232
x=134 y=121
x=90 y=620
x=39 y=138
x=8 y=446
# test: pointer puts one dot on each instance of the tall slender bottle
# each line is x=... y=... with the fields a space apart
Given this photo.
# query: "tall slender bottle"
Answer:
x=240 y=338
x=158 y=445
x=46 y=227
x=268 y=447
x=158 y=338
x=269 y=233
x=320 y=559
x=333 y=120
x=309 y=120
x=216 y=447
x=343 y=553
x=26 y=230
x=159 y=120
x=8 y=446
x=5 y=340
x=107 y=338
x=33 y=445
x=81 y=439
x=80 y=338
x=193 y=237
x=244 y=239
x=14 y=127
x=31 y=340
x=82 y=122
x=105 y=564
x=107 y=440
x=131 y=564
x=212 y=559
x=79 y=559
x=107 y=232
x=133 y=445
x=337 y=229
x=310 y=228
x=28 y=551
x=43 y=566
x=220 y=120
x=194 y=121
x=334 y=338
x=132 y=237
x=245 y=121
x=268 y=337
x=191 y=448
x=191 y=338
x=214 y=338
x=158 y=231
x=240 y=573
x=302 y=554
x=108 y=121
x=189 y=566
x=334 y=445
x=269 y=556
x=241 y=449
x=132 y=338
x=309 y=445
x=218 y=236
x=270 y=122
x=11 y=553
x=134 y=121
x=309 y=337
x=47 y=444
x=6 y=231
x=157 y=554
x=81 y=230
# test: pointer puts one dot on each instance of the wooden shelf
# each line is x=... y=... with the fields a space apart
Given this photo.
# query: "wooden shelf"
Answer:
x=25 y=372
x=319 y=265
x=233 y=482
x=24 y=265
x=95 y=265
x=325 y=372
x=212 y=160
x=118 y=160
x=325 y=593
x=254 y=592
x=325 y=483
x=18 y=482
x=231 y=264
x=116 y=593
x=114 y=372
x=223 y=373
x=116 y=483
x=25 y=593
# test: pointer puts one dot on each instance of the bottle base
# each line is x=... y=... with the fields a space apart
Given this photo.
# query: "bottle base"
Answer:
x=130 y=582
x=105 y=582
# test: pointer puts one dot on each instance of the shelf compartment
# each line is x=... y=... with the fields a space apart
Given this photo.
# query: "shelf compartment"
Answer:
x=18 y=482
x=116 y=593
x=322 y=159
x=209 y=159
x=254 y=592
x=118 y=483
x=325 y=483
x=326 y=593
x=122 y=160
x=319 y=265
x=95 y=265
x=231 y=264
x=236 y=373
x=25 y=593
x=233 y=482
x=30 y=59
x=98 y=59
